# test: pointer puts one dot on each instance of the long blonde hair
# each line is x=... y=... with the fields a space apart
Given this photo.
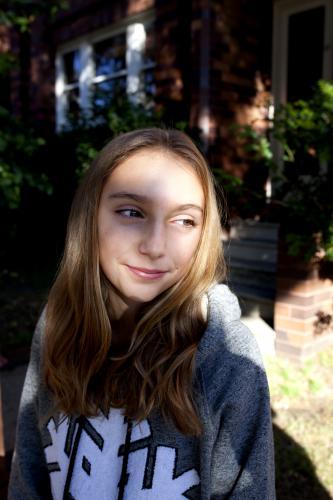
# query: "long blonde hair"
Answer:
x=157 y=371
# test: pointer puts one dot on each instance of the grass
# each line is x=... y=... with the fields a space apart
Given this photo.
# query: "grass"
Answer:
x=302 y=406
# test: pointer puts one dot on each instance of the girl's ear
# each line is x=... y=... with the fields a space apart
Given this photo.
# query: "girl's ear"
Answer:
x=204 y=307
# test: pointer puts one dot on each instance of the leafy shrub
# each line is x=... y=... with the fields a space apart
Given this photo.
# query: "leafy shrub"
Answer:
x=302 y=197
x=18 y=146
x=87 y=135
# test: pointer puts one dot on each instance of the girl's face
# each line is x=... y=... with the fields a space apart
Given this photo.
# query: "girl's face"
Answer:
x=149 y=224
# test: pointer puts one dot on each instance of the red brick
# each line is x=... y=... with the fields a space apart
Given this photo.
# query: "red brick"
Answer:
x=294 y=338
x=282 y=309
x=303 y=313
x=322 y=297
x=292 y=299
x=303 y=286
x=300 y=326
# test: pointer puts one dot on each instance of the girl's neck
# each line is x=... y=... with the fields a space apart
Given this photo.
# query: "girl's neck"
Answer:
x=123 y=324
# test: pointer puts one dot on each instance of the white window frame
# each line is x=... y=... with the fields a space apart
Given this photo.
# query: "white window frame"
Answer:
x=133 y=27
x=283 y=9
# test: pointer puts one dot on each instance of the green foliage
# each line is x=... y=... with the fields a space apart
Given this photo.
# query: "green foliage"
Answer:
x=7 y=62
x=255 y=145
x=124 y=116
x=22 y=13
x=246 y=195
x=305 y=131
x=17 y=148
x=302 y=197
x=87 y=135
x=85 y=152
x=18 y=143
x=230 y=182
x=306 y=127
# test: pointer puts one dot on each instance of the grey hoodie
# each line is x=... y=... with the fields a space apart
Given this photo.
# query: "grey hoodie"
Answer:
x=109 y=457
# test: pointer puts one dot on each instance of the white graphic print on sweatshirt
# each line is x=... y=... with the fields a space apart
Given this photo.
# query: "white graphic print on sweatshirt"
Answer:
x=108 y=458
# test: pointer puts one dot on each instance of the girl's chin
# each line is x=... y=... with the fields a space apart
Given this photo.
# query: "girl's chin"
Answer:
x=129 y=297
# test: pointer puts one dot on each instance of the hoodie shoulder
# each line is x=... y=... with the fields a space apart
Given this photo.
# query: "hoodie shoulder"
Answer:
x=229 y=367
x=225 y=334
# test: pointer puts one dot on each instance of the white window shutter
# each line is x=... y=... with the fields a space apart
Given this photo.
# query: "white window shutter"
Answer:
x=136 y=39
x=86 y=76
x=61 y=99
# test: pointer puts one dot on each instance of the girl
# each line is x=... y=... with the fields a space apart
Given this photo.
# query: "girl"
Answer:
x=143 y=383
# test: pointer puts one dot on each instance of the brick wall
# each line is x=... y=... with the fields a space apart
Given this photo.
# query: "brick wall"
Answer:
x=175 y=54
x=238 y=36
x=302 y=295
x=240 y=72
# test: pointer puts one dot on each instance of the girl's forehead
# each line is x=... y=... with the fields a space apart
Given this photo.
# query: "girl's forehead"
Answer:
x=149 y=162
x=155 y=154
x=156 y=173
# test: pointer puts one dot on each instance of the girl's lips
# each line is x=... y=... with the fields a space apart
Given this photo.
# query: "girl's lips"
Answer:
x=148 y=274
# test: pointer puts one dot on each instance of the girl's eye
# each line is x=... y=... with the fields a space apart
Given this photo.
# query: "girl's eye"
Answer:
x=129 y=212
x=185 y=222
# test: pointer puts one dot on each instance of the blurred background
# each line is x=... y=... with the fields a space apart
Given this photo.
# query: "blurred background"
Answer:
x=252 y=83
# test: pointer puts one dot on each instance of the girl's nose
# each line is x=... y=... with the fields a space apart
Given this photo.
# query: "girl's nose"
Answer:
x=153 y=241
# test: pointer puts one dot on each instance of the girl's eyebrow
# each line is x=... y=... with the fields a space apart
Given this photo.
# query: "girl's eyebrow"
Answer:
x=143 y=198
x=124 y=194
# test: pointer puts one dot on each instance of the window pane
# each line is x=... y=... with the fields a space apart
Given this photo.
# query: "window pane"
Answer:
x=110 y=55
x=73 y=107
x=104 y=92
x=305 y=52
x=149 y=82
x=72 y=66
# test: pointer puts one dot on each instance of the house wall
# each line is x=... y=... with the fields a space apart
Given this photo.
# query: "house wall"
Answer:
x=176 y=51
x=4 y=79
x=240 y=73
x=32 y=85
x=212 y=62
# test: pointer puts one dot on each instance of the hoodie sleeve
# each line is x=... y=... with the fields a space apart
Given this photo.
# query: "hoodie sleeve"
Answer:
x=29 y=478
x=238 y=411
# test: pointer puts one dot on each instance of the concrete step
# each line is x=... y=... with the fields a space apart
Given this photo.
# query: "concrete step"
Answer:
x=252 y=291
x=263 y=333
x=253 y=253
x=254 y=230
x=253 y=279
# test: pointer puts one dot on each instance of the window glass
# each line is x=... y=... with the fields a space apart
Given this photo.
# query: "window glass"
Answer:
x=305 y=52
x=72 y=66
x=111 y=67
x=73 y=106
x=148 y=82
x=110 y=55
x=104 y=92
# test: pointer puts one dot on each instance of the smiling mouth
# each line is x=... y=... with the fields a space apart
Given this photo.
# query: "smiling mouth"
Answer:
x=148 y=274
